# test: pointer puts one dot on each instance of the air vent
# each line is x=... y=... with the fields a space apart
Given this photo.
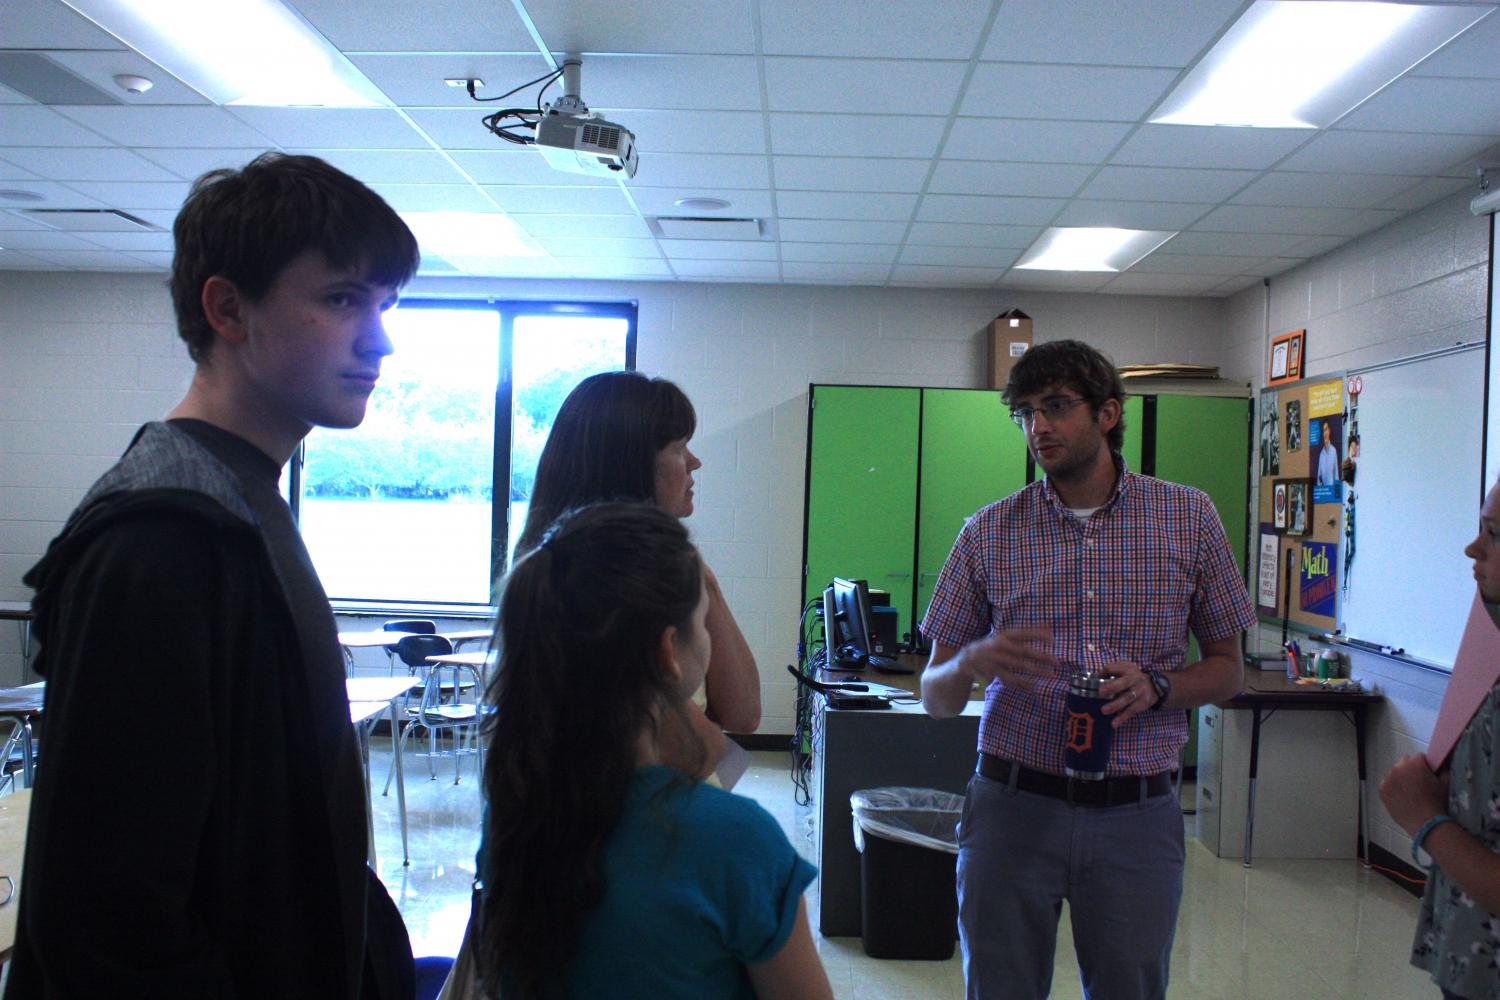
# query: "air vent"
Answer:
x=706 y=228
x=46 y=82
x=89 y=220
x=601 y=138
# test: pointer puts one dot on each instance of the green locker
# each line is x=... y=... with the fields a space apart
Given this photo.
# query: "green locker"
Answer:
x=861 y=489
x=972 y=455
x=1134 y=429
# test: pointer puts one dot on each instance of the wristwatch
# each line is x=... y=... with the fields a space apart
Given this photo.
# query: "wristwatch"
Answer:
x=1162 y=684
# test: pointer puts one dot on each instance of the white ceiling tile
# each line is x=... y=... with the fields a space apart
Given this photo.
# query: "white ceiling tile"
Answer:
x=691 y=131
x=1133 y=34
x=1163 y=262
x=392 y=166
x=8 y=96
x=34 y=125
x=826 y=272
x=760 y=270
x=415 y=79
x=987 y=210
x=1472 y=54
x=840 y=231
x=983 y=257
x=958 y=234
x=190 y=164
x=611 y=267
x=1233 y=285
x=1384 y=152
x=704 y=170
x=519 y=165
x=717 y=250
x=600 y=246
x=1199 y=146
x=161 y=218
x=1234 y=244
x=101 y=67
x=1033 y=141
x=1269 y=266
x=157 y=260
x=742 y=204
x=101 y=163
x=11 y=172
x=1470 y=165
x=561 y=200
x=898 y=87
x=162 y=195
x=1416 y=104
x=1166 y=184
x=53 y=195
x=840 y=253
x=437 y=26
x=13 y=221
x=945 y=277
x=1082 y=93
x=434 y=197
x=948 y=30
x=1302 y=221
x=48 y=24
x=660 y=26
x=850 y=173
x=1131 y=214
x=333 y=128
x=1162 y=284
x=1315 y=246
x=626 y=226
x=841 y=135
x=509 y=266
x=1346 y=190
x=840 y=205
x=47 y=239
x=90 y=260
x=729 y=83
x=1427 y=191
x=15 y=260
x=1029 y=180
x=1055 y=281
x=457 y=128
x=132 y=242
x=169 y=127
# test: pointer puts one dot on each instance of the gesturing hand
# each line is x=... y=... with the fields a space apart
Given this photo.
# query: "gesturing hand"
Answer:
x=1017 y=656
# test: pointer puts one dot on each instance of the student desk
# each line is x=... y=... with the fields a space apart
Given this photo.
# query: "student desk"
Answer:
x=23 y=706
x=873 y=748
x=14 y=811
x=364 y=692
x=20 y=613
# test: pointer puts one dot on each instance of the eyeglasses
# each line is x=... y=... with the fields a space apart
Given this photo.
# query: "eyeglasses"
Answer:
x=1049 y=408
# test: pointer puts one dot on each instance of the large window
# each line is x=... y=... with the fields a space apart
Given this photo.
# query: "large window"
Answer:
x=402 y=510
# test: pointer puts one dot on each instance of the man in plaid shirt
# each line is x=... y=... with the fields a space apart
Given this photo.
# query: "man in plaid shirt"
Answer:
x=1091 y=567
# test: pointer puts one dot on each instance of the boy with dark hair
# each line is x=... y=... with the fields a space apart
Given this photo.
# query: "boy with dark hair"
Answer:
x=1092 y=568
x=226 y=856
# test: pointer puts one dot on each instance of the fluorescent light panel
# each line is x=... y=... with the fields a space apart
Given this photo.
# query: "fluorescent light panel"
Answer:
x=471 y=234
x=1090 y=249
x=1299 y=64
x=240 y=52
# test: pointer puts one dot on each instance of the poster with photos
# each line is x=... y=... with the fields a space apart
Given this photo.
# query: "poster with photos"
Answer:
x=1270 y=435
x=1325 y=440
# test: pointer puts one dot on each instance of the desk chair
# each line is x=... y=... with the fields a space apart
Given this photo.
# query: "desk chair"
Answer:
x=416 y=626
x=444 y=704
x=13 y=757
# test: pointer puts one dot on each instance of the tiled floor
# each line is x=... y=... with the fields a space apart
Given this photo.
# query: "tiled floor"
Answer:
x=1303 y=929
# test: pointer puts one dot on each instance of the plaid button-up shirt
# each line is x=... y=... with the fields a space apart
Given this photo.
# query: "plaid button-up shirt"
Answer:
x=1127 y=583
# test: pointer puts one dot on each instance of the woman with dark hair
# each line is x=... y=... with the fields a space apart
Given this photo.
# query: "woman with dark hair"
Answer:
x=624 y=436
x=605 y=872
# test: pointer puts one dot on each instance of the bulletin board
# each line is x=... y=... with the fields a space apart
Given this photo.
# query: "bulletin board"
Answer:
x=1300 y=447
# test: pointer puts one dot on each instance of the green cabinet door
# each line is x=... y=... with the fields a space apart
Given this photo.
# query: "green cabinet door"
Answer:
x=861 y=489
x=972 y=455
x=1133 y=414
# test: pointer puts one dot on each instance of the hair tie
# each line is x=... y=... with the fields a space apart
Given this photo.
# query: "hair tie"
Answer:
x=550 y=544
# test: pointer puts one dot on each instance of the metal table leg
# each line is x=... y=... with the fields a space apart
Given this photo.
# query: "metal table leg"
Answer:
x=400 y=781
x=1254 y=767
x=1359 y=747
x=364 y=755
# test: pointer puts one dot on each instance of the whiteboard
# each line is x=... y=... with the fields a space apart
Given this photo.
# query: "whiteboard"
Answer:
x=1417 y=486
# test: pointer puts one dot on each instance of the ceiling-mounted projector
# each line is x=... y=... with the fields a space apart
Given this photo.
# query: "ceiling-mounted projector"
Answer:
x=574 y=140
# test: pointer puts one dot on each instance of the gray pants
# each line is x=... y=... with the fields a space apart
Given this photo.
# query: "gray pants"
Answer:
x=1120 y=869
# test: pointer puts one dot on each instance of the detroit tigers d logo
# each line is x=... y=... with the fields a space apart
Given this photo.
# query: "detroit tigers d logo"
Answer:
x=1080 y=732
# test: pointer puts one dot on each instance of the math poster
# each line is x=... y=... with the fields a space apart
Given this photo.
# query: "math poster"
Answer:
x=1317 y=578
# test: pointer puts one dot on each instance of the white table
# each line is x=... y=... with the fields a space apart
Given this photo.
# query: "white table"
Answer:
x=386 y=691
x=20 y=613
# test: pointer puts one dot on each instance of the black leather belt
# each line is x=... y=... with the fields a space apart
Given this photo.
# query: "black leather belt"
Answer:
x=1077 y=791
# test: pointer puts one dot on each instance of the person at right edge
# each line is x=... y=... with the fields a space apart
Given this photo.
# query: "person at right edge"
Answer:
x=1455 y=817
x=1091 y=567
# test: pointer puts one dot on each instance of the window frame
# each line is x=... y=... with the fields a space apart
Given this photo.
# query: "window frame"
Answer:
x=509 y=310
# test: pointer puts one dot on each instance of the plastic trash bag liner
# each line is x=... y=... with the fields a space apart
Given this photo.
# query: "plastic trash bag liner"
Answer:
x=925 y=817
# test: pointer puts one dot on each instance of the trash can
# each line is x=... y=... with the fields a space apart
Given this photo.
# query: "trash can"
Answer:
x=908 y=844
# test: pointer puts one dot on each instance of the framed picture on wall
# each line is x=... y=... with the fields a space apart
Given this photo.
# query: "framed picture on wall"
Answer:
x=1287 y=353
x=1278 y=506
x=1293 y=500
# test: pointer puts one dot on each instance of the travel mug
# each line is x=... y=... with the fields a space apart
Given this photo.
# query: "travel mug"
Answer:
x=1088 y=734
